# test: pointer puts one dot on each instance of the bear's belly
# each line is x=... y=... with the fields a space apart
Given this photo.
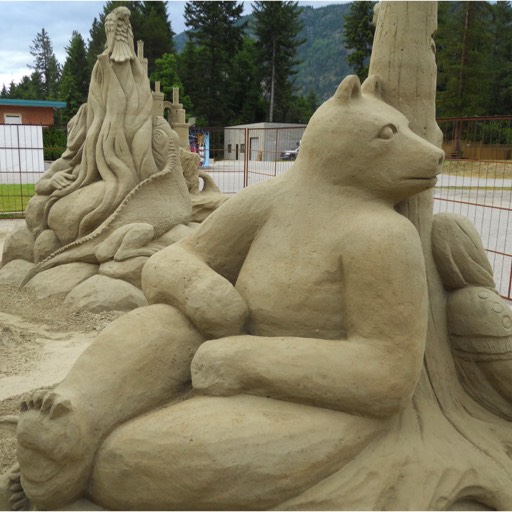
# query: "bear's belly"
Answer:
x=293 y=292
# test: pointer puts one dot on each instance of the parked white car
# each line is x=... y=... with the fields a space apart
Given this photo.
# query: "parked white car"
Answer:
x=290 y=154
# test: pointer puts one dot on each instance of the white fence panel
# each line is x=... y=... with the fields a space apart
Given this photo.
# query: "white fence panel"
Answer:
x=21 y=153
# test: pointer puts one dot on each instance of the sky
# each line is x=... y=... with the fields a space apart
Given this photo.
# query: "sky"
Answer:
x=23 y=20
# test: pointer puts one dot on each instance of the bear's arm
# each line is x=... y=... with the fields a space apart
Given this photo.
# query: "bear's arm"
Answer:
x=224 y=238
x=374 y=370
x=197 y=274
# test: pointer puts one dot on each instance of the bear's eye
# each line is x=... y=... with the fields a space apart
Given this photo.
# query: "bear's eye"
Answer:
x=387 y=132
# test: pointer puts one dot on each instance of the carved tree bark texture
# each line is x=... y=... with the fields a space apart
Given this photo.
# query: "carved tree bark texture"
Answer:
x=477 y=445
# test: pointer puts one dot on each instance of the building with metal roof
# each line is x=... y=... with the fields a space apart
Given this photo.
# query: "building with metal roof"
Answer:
x=29 y=112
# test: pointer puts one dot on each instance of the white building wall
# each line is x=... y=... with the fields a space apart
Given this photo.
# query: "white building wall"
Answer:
x=272 y=140
x=21 y=153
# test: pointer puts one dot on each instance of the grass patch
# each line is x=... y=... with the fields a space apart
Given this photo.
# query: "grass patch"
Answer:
x=479 y=169
x=14 y=198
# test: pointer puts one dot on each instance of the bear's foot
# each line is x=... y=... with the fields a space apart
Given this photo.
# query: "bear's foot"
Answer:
x=55 y=450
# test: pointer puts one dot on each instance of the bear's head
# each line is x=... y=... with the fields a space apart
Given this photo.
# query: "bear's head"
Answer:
x=355 y=139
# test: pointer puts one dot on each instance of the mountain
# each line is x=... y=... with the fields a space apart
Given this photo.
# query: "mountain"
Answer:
x=323 y=56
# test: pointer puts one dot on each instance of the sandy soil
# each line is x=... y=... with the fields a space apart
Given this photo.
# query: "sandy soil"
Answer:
x=39 y=342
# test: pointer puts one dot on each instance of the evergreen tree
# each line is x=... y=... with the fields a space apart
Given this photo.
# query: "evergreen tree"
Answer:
x=155 y=31
x=358 y=36
x=24 y=89
x=4 y=93
x=300 y=110
x=28 y=88
x=304 y=107
x=277 y=27
x=34 y=85
x=12 y=90
x=215 y=37
x=75 y=76
x=95 y=43
x=245 y=92
x=45 y=63
x=464 y=58
x=188 y=62
x=501 y=93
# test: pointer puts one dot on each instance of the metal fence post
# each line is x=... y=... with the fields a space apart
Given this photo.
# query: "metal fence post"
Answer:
x=276 y=152
x=246 y=157
x=19 y=166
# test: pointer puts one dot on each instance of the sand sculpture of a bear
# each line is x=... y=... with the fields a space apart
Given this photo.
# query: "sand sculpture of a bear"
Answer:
x=282 y=340
x=291 y=358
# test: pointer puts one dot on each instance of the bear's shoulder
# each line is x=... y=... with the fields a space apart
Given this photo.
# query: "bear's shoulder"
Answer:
x=383 y=230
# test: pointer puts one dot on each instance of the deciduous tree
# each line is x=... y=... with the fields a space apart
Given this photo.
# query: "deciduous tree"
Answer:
x=166 y=72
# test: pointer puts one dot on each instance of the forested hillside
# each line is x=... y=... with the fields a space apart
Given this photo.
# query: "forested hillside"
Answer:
x=323 y=56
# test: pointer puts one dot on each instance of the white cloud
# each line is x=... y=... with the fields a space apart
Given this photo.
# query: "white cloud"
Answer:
x=22 y=21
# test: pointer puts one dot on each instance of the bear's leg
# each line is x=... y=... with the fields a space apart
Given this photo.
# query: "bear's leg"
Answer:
x=225 y=453
x=135 y=364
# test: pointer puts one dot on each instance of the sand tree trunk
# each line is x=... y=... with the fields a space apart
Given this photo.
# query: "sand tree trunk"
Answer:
x=404 y=57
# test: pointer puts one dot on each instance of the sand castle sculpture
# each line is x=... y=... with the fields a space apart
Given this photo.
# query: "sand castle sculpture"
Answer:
x=208 y=197
x=309 y=346
x=124 y=182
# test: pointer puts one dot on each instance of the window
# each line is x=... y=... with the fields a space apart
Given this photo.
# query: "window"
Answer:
x=12 y=118
x=242 y=148
x=229 y=148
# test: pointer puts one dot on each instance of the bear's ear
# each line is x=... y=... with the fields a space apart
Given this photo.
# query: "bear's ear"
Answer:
x=349 y=89
x=372 y=85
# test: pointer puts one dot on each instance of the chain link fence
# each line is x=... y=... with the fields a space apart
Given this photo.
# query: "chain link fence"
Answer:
x=476 y=181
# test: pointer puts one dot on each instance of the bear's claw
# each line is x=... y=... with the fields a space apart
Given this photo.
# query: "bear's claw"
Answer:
x=46 y=402
x=15 y=494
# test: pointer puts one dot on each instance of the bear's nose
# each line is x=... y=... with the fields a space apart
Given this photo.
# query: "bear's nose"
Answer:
x=441 y=160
